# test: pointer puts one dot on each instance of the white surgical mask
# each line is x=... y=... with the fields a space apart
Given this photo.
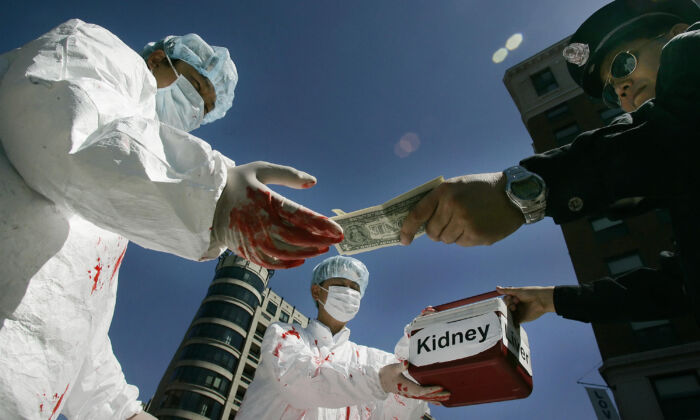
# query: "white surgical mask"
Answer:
x=179 y=104
x=342 y=303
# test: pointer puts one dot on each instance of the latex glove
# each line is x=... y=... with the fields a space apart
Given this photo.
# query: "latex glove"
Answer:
x=264 y=227
x=528 y=303
x=401 y=349
x=468 y=210
x=392 y=380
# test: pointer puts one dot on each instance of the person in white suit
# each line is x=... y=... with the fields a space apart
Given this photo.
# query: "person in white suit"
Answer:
x=316 y=372
x=96 y=153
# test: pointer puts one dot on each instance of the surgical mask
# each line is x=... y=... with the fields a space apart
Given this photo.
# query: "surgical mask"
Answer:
x=179 y=104
x=342 y=303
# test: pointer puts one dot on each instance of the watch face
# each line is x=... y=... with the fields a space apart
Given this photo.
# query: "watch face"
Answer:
x=527 y=189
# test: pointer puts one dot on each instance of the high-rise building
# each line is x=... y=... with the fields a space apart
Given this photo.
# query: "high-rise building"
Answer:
x=652 y=367
x=216 y=361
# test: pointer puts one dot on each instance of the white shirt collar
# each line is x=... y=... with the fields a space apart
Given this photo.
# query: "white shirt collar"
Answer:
x=322 y=333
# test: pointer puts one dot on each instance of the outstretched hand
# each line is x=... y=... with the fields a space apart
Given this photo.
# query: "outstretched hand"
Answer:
x=265 y=227
x=528 y=303
x=392 y=380
x=467 y=210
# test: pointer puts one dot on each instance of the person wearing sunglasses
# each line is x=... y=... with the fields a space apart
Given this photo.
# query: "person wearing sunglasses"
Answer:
x=642 y=56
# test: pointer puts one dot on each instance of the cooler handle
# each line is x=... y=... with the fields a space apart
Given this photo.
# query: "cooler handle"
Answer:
x=466 y=301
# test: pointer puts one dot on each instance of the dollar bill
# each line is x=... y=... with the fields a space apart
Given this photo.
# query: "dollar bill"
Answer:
x=379 y=226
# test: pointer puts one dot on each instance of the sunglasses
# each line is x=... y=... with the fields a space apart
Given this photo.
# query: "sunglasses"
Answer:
x=624 y=64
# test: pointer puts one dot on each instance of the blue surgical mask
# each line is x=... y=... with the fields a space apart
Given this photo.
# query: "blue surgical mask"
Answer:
x=179 y=104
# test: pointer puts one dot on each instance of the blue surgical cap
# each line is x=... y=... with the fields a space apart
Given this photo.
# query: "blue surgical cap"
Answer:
x=342 y=267
x=214 y=63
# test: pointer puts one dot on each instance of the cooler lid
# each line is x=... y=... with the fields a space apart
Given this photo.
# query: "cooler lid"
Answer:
x=461 y=312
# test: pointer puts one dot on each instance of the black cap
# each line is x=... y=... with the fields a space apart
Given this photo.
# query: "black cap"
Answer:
x=613 y=23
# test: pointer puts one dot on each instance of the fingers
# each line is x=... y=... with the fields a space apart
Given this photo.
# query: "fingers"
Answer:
x=452 y=231
x=268 y=261
x=288 y=213
x=427 y=310
x=441 y=396
x=419 y=215
x=427 y=393
x=516 y=292
x=438 y=221
x=270 y=173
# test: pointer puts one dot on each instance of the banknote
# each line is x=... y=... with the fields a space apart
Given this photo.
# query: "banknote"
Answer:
x=379 y=226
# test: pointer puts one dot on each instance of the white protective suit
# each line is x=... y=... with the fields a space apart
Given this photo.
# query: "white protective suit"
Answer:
x=85 y=167
x=308 y=373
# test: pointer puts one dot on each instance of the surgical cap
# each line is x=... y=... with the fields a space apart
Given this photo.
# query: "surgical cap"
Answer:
x=214 y=63
x=342 y=267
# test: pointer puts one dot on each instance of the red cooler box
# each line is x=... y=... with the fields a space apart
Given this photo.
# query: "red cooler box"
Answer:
x=473 y=349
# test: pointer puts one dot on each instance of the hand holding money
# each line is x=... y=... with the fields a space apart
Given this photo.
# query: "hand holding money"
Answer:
x=468 y=210
x=379 y=226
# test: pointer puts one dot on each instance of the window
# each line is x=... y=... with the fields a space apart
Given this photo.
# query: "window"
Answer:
x=608 y=115
x=544 y=82
x=678 y=395
x=207 y=353
x=558 y=112
x=271 y=308
x=191 y=401
x=235 y=291
x=296 y=322
x=242 y=274
x=284 y=317
x=605 y=229
x=622 y=264
x=567 y=134
x=201 y=376
x=217 y=332
x=227 y=311
x=654 y=334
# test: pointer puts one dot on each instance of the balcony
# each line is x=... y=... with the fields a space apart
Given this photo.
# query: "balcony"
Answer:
x=246 y=379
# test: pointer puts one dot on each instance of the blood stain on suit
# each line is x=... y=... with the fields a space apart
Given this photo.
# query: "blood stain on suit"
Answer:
x=96 y=277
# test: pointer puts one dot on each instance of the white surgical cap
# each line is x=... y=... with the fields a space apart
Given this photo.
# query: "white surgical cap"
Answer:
x=214 y=63
x=342 y=267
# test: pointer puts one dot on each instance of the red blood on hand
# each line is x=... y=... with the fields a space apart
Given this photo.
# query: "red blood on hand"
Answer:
x=264 y=226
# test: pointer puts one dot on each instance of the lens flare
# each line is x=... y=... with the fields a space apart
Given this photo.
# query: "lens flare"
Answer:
x=407 y=144
x=514 y=41
x=499 y=55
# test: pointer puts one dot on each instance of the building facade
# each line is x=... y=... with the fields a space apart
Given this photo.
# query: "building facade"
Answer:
x=652 y=367
x=216 y=361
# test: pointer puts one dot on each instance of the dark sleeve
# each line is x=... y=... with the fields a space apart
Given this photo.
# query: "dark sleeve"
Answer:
x=647 y=153
x=677 y=86
x=640 y=295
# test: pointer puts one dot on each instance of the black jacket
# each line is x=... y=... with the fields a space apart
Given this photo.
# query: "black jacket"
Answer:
x=654 y=153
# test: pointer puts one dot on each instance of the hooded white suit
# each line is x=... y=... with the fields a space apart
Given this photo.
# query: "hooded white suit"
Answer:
x=85 y=167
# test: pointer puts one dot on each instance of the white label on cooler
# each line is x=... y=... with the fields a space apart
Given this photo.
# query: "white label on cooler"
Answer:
x=516 y=341
x=447 y=341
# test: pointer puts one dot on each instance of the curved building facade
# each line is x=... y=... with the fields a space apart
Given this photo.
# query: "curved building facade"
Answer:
x=217 y=358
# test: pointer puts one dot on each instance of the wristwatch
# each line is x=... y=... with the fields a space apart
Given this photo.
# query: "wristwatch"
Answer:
x=527 y=191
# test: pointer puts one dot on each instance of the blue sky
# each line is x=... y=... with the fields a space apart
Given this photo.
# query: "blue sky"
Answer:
x=330 y=87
